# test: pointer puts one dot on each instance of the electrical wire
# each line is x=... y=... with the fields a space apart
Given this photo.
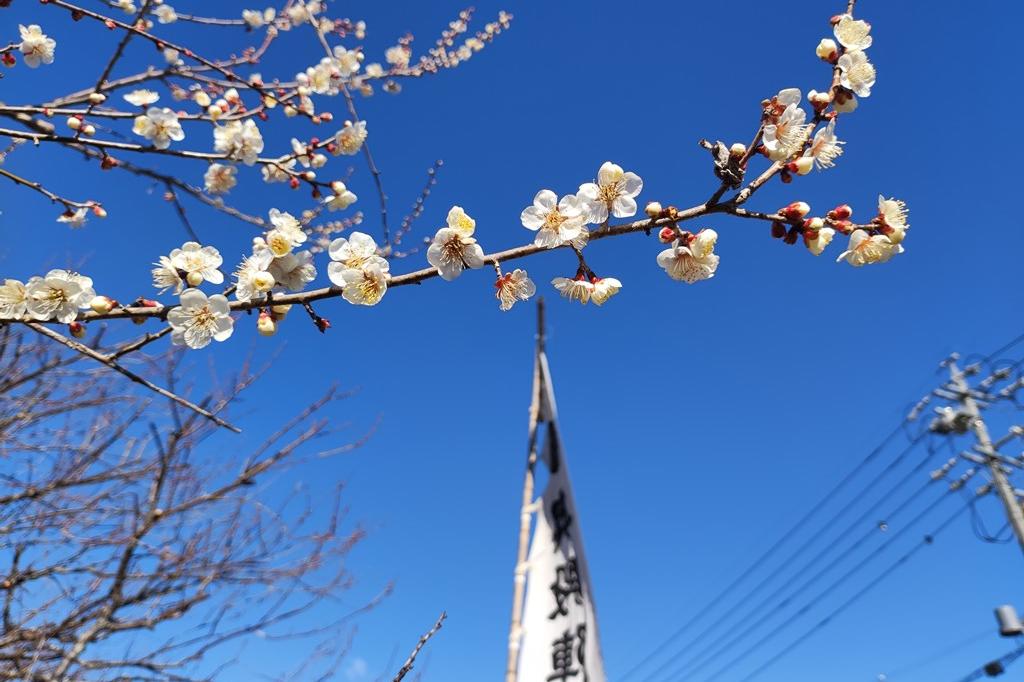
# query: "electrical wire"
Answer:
x=925 y=541
x=753 y=622
x=823 y=594
x=1005 y=660
x=771 y=551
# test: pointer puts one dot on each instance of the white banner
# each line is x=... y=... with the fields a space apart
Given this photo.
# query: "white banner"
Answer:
x=559 y=631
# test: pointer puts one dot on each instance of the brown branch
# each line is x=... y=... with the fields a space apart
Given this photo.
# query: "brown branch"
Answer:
x=113 y=364
x=419 y=646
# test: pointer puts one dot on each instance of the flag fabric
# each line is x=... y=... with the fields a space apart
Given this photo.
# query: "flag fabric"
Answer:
x=559 y=629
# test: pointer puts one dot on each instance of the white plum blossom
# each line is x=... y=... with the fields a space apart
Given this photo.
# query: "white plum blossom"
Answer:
x=615 y=191
x=75 y=218
x=892 y=214
x=286 y=234
x=512 y=287
x=347 y=61
x=817 y=240
x=577 y=289
x=256 y=19
x=253 y=278
x=160 y=126
x=365 y=286
x=853 y=34
x=555 y=221
x=58 y=296
x=398 y=55
x=866 y=250
x=165 y=14
x=341 y=198
x=220 y=178
x=357 y=269
x=199 y=319
x=784 y=137
x=199 y=263
x=278 y=171
x=240 y=141
x=454 y=248
x=165 y=276
x=141 y=98
x=604 y=288
x=825 y=147
x=293 y=271
x=353 y=253
x=36 y=47
x=349 y=140
x=856 y=73
x=694 y=262
x=13 y=299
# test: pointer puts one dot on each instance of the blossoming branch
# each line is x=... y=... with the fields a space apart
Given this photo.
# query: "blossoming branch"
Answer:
x=217 y=96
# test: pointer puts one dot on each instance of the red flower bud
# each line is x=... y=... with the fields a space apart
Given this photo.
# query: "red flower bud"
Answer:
x=786 y=177
x=841 y=212
x=666 y=235
x=792 y=235
x=294 y=183
x=778 y=230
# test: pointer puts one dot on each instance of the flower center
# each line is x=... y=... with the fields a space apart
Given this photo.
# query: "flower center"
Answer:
x=554 y=220
x=862 y=73
x=608 y=193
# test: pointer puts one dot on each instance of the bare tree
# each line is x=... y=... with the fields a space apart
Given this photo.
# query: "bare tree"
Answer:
x=134 y=549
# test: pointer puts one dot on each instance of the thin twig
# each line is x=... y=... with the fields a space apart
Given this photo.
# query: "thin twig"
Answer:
x=419 y=645
x=112 y=364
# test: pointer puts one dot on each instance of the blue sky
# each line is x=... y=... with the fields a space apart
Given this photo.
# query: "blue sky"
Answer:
x=702 y=421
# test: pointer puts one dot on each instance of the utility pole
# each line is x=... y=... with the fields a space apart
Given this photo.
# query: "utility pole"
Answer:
x=967 y=416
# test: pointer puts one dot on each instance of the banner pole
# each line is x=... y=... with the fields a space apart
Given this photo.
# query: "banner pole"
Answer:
x=525 y=511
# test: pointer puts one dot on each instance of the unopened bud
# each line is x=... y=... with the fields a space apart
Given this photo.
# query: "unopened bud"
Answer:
x=309 y=176
x=827 y=50
x=201 y=98
x=778 y=230
x=194 y=279
x=318 y=161
x=77 y=329
x=102 y=304
x=74 y=122
x=214 y=112
x=802 y=165
x=667 y=235
x=841 y=212
x=88 y=130
x=653 y=209
x=280 y=311
x=814 y=224
x=792 y=236
x=327 y=117
x=842 y=226
x=819 y=100
x=293 y=183
x=290 y=111
x=845 y=101
x=738 y=149
x=266 y=325
x=263 y=281
x=97 y=98
x=796 y=210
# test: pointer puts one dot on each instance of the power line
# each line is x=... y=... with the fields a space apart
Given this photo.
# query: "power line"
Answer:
x=987 y=669
x=716 y=648
x=878 y=551
x=926 y=541
x=788 y=535
x=846 y=480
